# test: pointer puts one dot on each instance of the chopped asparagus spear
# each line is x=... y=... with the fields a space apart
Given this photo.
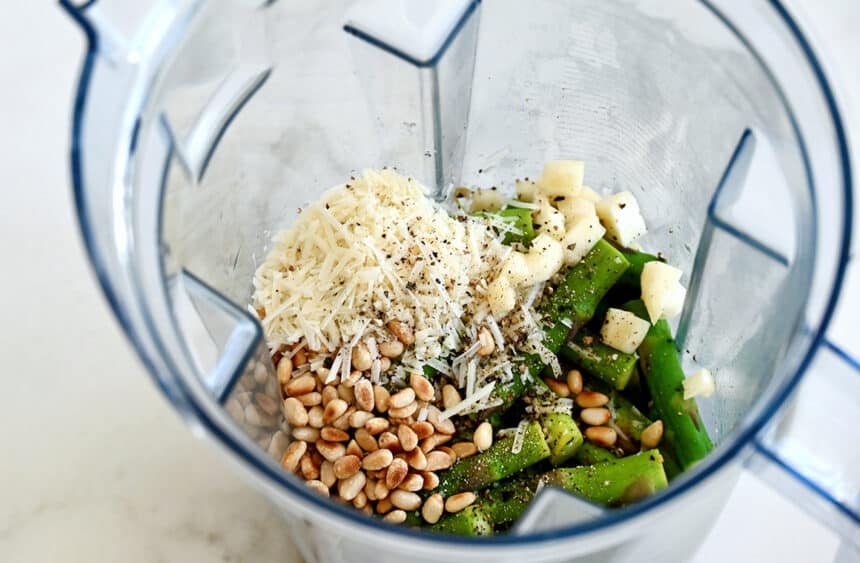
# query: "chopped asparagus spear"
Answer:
x=684 y=430
x=471 y=521
x=613 y=483
x=637 y=260
x=562 y=436
x=586 y=351
x=520 y=219
x=479 y=471
x=628 y=420
x=589 y=454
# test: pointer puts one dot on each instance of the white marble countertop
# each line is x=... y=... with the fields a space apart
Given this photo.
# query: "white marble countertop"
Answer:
x=97 y=466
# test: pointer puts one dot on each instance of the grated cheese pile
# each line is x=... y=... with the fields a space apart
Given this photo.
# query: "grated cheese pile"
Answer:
x=373 y=250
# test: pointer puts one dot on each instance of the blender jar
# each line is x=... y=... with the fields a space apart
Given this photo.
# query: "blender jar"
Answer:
x=201 y=126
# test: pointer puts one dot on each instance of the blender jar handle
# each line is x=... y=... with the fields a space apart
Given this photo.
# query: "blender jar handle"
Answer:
x=811 y=453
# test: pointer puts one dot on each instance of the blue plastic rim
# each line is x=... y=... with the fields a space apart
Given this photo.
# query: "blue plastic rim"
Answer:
x=182 y=397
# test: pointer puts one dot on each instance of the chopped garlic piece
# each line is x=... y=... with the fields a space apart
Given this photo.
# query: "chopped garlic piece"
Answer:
x=623 y=330
x=549 y=219
x=700 y=384
x=660 y=291
x=561 y=178
x=620 y=214
x=486 y=200
x=544 y=259
x=581 y=238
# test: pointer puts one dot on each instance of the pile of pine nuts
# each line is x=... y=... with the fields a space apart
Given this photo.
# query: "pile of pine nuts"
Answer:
x=356 y=442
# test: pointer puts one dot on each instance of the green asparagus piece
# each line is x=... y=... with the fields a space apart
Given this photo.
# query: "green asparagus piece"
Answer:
x=519 y=218
x=589 y=454
x=637 y=260
x=588 y=352
x=562 y=436
x=479 y=471
x=627 y=419
x=613 y=483
x=584 y=285
x=471 y=521
x=684 y=430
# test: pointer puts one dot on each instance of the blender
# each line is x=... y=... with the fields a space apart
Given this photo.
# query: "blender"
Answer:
x=201 y=127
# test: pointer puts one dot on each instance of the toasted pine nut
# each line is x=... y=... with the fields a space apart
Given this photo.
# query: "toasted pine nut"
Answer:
x=330 y=434
x=384 y=505
x=391 y=349
x=309 y=470
x=422 y=429
x=458 y=502
x=315 y=416
x=451 y=453
x=417 y=459
x=352 y=448
x=359 y=418
x=295 y=412
x=278 y=444
x=318 y=486
x=443 y=426
x=361 y=359
x=322 y=375
x=349 y=488
x=423 y=388
x=384 y=364
x=381 y=397
x=330 y=450
x=437 y=460
x=366 y=440
x=370 y=489
x=464 y=449
x=401 y=331
x=589 y=399
x=652 y=435
x=404 y=412
x=429 y=443
x=268 y=404
x=380 y=459
x=300 y=358
x=327 y=474
x=351 y=379
x=487 y=344
x=334 y=410
x=285 y=370
x=381 y=490
x=306 y=433
x=560 y=388
x=432 y=509
x=389 y=441
x=402 y=398
x=405 y=500
x=595 y=416
x=364 y=399
x=396 y=473
x=293 y=454
x=408 y=438
x=346 y=393
x=395 y=517
x=574 y=381
x=450 y=396
x=311 y=399
x=347 y=466
x=431 y=480
x=329 y=394
x=413 y=482
x=342 y=422
x=483 y=436
x=301 y=385
x=360 y=500
x=601 y=435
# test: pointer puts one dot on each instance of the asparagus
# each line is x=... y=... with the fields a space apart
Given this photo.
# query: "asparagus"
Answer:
x=479 y=471
x=627 y=419
x=590 y=454
x=637 y=260
x=598 y=359
x=471 y=521
x=519 y=218
x=613 y=483
x=683 y=428
x=562 y=436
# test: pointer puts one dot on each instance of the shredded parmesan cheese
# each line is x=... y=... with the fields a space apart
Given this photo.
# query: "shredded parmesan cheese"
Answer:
x=519 y=436
x=466 y=403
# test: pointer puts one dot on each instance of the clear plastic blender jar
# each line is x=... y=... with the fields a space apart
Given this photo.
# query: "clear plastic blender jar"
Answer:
x=201 y=126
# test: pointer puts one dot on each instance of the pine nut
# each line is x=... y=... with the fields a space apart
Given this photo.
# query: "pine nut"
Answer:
x=590 y=399
x=401 y=331
x=347 y=466
x=380 y=459
x=652 y=435
x=306 y=434
x=346 y=393
x=351 y=379
x=396 y=473
x=301 y=385
x=595 y=416
x=384 y=364
x=402 y=398
x=450 y=396
x=431 y=480
x=487 y=344
x=391 y=349
x=244 y=398
x=329 y=394
x=367 y=510
x=403 y=412
x=417 y=459
x=601 y=436
x=309 y=470
x=318 y=486
x=364 y=398
x=405 y=500
x=268 y=404
x=458 y=502
x=349 y=488
x=370 y=489
x=389 y=441
x=381 y=397
x=332 y=451
x=295 y=412
x=574 y=381
x=300 y=358
x=443 y=426
x=423 y=388
x=384 y=505
x=293 y=454
x=413 y=482
x=437 y=460
x=334 y=410
x=278 y=444
x=330 y=434
x=483 y=437
x=464 y=449
x=315 y=416
x=342 y=422
x=432 y=509
x=352 y=448
x=359 y=418
x=361 y=359
x=285 y=370
x=408 y=438
x=429 y=443
x=310 y=399
x=256 y=417
x=235 y=409
x=560 y=388
x=360 y=500
x=322 y=375
x=366 y=440
x=381 y=490
x=451 y=453
x=422 y=429
x=327 y=474
x=395 y=517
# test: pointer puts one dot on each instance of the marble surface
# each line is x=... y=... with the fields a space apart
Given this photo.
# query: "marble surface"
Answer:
x=96 y=466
